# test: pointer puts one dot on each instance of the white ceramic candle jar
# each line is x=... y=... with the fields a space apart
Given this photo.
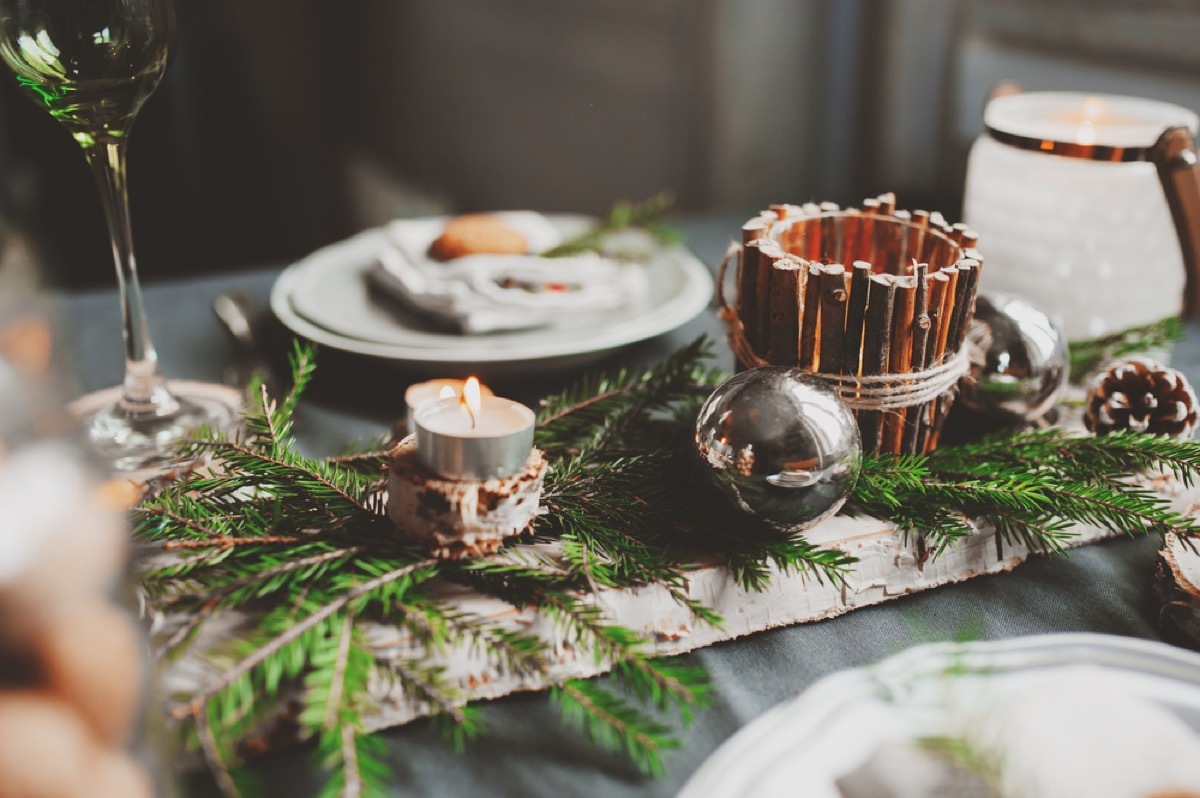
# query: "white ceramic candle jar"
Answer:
x=1064 y=190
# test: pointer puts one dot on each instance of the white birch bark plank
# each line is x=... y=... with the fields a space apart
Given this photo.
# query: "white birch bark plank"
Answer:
x=889 y=566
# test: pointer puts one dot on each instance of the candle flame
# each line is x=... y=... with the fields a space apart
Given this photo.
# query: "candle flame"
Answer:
x=1086 y=134
x=446 y=393
x=471 y=398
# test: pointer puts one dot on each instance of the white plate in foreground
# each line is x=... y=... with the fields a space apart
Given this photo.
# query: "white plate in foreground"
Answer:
x=343 y=312
x=802 y=746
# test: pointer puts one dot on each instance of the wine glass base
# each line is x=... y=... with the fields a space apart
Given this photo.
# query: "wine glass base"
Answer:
x=139 y=445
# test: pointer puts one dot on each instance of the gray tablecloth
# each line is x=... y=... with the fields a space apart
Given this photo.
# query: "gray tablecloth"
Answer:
x=1101 y=588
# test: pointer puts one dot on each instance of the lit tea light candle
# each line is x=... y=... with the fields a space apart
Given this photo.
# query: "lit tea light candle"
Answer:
x=473 y=436
x=423 y=393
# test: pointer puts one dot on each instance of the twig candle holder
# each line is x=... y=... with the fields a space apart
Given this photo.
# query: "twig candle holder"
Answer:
x=888 y=331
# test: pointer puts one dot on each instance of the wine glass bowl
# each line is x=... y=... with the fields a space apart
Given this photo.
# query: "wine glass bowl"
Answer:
x=91 y=64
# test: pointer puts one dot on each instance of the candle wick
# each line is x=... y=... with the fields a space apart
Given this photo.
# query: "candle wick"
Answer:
x=470 y=413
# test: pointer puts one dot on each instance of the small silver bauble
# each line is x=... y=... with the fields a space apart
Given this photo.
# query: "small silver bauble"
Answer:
x=781 y=445
x=1021 y=365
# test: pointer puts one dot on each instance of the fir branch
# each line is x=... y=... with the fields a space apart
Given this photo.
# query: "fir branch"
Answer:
x=368 y=459
x=286 y=471
x=310 y=621
x=622 y=216
x=264 y=581
x=596 y=414
x=449 y=711
x=203 y=530
x=360 y=772
x=303 y=362
x=302 y=544
x=352 y=781
x=212 y=753
x=188 y=630
x=437 y=625
x=789 y=554
x=426 y=684
x=613 y=724
x=228 y=543
x=1090 y=355
x=1029 y=486
x=336 y=681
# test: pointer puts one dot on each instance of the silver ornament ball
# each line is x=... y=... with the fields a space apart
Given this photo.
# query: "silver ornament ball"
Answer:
x=1021 y=364
x=780 y=445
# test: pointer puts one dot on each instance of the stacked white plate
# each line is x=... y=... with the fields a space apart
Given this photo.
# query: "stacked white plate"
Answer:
x=1070 y=714
x=327 y=298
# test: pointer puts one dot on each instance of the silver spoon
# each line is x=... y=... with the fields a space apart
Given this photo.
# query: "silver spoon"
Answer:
x=240 y=315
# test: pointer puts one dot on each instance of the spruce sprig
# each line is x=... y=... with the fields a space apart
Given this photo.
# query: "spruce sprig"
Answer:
x=645 y=215
x=1089 y=355
x=1032 y=487
x=301 y=547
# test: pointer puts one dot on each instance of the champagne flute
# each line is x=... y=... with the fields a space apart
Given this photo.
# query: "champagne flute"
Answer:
x=91 y=64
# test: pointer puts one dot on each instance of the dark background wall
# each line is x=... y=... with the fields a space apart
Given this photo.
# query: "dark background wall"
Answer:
x=286 y=124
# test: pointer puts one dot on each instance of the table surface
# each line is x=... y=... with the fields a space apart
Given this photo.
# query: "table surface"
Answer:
x=1101 y=588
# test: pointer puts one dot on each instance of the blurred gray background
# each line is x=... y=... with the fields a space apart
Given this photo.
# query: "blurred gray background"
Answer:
x=287 y=124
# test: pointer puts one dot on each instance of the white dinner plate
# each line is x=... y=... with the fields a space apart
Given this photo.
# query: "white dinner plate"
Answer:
x=325 y=297
x=803 y=745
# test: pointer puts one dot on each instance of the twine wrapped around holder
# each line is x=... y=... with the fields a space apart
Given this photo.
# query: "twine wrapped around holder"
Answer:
x=889 y=333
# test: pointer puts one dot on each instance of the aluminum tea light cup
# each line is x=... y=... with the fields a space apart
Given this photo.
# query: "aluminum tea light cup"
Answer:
x=473 y=437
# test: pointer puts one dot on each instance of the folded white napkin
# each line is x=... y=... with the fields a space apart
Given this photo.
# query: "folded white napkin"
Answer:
x=1081 y=731
x=493 y=293
x=1065 y=732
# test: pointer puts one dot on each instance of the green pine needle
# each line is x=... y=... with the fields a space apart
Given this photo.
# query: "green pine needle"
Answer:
x=622 y=216
x=302 y=547
x=1090 y=355
x=613 y=724
x=1030 y=486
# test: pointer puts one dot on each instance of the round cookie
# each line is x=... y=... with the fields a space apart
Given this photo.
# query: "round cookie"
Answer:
x=477 y=234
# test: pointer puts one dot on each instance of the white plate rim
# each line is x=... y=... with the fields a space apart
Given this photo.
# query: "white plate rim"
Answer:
x=725 y=771
x=694 y=296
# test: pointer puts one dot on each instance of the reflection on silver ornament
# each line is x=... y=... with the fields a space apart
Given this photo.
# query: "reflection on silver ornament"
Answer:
x=1021 y=365
x=780 y=445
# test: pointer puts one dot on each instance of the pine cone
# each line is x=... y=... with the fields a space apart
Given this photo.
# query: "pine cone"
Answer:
x=1144 y=396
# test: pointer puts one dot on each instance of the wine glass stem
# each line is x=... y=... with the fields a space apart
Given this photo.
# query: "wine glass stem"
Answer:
x=144 y=390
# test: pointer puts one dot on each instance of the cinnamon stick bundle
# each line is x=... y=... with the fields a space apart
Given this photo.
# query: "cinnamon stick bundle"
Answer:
x=939 y=286
x=831 y=229
x=851 y=220
x=856 y=314
x=921 y=326
x=902 y=307
x=916 y=237
x=876 y=347
x=833 y=316
x=786 y=290
x=808 y=324
x=812 y=239
x=866 y=235
x=900 y=357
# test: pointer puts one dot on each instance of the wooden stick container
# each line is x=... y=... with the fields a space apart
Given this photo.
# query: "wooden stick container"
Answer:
x=858 y=292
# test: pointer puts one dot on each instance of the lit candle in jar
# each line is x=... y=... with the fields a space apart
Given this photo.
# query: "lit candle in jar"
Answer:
x=423 y=393
x=473 y=437
x=1071 y=212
